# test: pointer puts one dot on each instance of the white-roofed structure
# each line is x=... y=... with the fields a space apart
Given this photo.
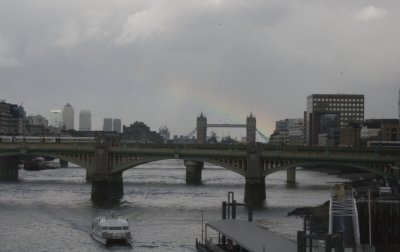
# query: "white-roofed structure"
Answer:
x=246 y=235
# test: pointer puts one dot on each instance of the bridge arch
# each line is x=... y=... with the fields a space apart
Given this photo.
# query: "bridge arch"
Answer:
x=133 y=164
x=78 y=162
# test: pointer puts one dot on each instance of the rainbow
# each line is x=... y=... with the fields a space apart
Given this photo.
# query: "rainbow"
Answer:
x=211 y=103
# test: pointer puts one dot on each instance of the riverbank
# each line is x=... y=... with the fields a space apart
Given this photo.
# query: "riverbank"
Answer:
x=320 y=216
x=378 y=206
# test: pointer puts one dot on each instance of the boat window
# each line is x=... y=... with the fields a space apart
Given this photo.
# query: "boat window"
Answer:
x=104 y=228
x=115 y=228
x=126 y=228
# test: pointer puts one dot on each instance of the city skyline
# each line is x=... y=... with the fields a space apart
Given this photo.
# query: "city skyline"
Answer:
x=164 y=64
x=225 y=132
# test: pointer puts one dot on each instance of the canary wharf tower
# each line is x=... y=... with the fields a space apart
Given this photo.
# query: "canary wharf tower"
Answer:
x=68 y=117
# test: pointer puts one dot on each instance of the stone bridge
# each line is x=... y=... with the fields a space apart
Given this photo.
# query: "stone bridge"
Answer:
x=106 y=160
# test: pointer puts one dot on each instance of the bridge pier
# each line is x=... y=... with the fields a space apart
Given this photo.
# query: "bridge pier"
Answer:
x=109 y=187
x=254 y=190
x=397 y=170
x=89 y=176
x=105 y=185
x=9 y=168
x=255 y=182
x=291 y=176
x=63 y=163
x=193 y=171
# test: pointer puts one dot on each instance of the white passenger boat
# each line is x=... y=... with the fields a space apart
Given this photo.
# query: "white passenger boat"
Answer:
x=111 y=229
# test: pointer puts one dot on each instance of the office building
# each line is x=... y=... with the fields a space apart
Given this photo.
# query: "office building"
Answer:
x=36 y=125
x=380 y=130
x=164 y=133
x=68 y=117
x=55 y=118
x=37 y=120
x=12 y=119
x=327 y=113
x=107 y=124
x=85 y=120
x=139 y=132
x=117 y=125
x=288 y=132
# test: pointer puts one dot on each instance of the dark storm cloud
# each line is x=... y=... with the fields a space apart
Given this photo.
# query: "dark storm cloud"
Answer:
x=163 y=62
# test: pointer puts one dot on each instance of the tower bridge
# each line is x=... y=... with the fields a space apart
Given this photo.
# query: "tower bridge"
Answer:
x=201 y=128
x=106 y=159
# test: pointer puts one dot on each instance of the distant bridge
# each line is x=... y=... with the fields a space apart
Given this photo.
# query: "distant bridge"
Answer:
x=250 y=126
x=106 y=159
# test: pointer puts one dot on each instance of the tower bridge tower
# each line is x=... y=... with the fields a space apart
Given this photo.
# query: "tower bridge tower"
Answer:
x=399 y=105
x=201 y=129
x=251 y=129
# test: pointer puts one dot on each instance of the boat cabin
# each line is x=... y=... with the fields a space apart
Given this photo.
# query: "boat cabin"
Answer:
x=113 y=224
x=111 y=229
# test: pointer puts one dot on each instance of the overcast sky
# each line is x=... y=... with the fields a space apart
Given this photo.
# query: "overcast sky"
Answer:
x=165 y=61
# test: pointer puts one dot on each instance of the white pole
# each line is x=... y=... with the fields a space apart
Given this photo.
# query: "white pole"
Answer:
x=369 y=214
x=202 y=231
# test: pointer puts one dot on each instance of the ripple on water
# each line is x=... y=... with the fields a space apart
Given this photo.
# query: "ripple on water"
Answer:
x=51 y=210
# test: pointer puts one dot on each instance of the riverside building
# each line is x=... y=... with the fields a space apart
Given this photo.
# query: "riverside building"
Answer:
x=12 y=119
x=36 y=125
x=288 y=132
x=327 y=113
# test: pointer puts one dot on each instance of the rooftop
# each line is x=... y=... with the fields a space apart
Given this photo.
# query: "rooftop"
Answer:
x=252 y=236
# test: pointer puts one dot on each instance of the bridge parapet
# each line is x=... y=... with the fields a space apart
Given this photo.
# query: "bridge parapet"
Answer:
x=108 y=159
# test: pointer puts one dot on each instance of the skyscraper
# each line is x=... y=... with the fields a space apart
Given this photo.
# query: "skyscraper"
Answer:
x=68 y=117
x=55 y=118
x=85 y=120
x=117 y=125
x=107 y=124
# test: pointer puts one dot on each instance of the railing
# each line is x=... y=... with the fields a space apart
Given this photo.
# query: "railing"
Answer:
x=356 y=225
x=307 y=242
x=343 y=205
x=213 y=246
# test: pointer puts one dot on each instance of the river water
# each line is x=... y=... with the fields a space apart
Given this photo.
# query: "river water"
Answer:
x=50 y=210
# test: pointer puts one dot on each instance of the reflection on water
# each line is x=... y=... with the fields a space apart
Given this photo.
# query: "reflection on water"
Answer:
x=50 y=210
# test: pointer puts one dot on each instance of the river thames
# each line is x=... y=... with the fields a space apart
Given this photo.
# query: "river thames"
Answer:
x=51 y=210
